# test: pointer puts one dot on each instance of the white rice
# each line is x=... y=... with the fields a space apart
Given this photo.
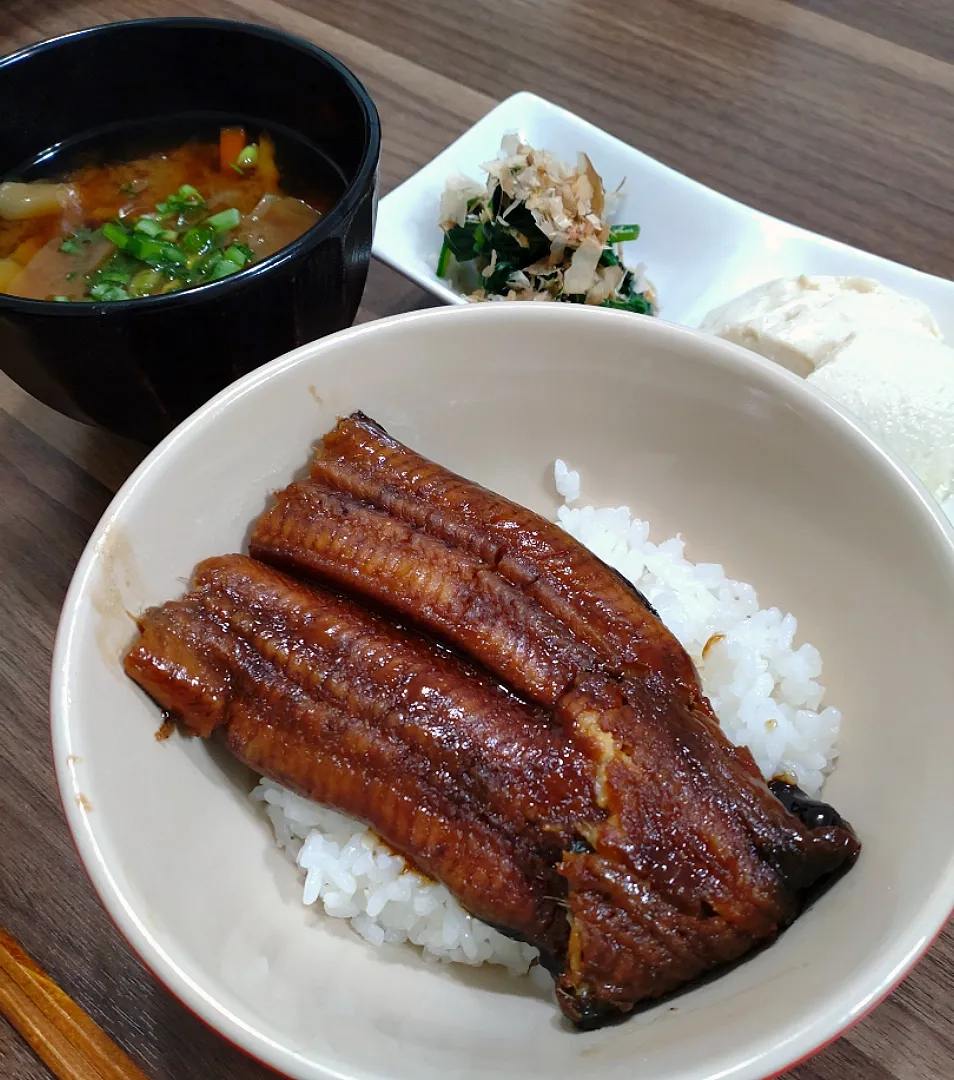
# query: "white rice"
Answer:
x=567 y=482
x=764 y=690
x=355 y=876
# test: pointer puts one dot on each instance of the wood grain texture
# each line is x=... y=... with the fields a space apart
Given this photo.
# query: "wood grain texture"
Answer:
x=838 y=116
x=63 y=1036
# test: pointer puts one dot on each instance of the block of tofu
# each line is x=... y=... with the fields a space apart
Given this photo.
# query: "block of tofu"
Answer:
x=801 y=322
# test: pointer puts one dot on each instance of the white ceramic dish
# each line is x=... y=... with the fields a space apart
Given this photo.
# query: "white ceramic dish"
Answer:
x=700 y=248
x=759 y=472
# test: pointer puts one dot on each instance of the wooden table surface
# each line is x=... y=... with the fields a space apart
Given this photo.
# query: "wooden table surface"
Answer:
x=838 y=116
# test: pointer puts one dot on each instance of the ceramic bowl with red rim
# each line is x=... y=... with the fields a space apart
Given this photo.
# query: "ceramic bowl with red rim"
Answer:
x=757 y=470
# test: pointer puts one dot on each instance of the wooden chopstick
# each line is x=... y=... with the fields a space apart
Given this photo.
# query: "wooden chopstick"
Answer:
x=72 y=1046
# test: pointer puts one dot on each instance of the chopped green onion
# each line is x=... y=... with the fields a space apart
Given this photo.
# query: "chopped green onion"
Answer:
x=149 y=226
x=157 y=255
x=144 y=248
x=71 y=243
x=236 y=254
x=202 y=266
x=187 y=198
x=248 y=156
x=62 y=299
x=105 y=291
x=443 y=260
x=199 y=239
x=116 y=234
x=173 y=254
x=225 y=220
x=236 y=168
x=145 y=282
x=222 y=269
x=618 y=234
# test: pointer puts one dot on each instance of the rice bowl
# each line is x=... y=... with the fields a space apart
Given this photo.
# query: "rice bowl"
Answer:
x=693 y=435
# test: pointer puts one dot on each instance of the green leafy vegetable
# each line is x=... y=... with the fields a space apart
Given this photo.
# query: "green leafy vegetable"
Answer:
x=618 y=234
x=636 y=302
x=496 y=281
x=538 y=230
x=443 y=260
x=74 y=241
x=116 y=272
x=460 y=239
x=113 y=277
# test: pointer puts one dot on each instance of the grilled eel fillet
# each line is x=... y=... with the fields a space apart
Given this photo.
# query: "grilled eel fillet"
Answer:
x=695 y=861
x=525 y=814
x=474 y=787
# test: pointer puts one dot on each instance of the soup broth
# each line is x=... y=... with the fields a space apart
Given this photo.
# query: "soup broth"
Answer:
x=124 y=214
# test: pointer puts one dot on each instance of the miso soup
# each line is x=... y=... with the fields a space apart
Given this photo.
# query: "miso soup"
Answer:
x=127 y=214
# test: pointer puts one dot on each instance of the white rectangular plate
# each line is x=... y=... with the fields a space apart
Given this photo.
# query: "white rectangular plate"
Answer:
x=700 y=247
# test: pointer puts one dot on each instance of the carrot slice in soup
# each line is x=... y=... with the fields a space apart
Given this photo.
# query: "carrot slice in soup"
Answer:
x=231 y=144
